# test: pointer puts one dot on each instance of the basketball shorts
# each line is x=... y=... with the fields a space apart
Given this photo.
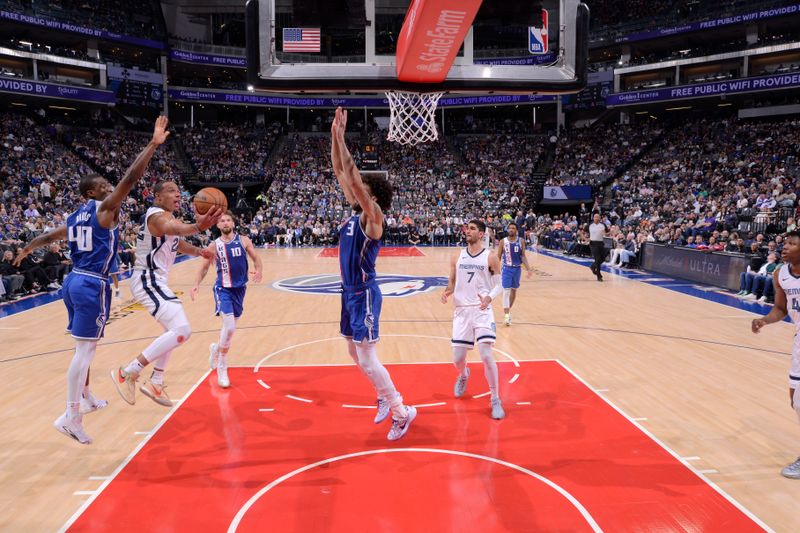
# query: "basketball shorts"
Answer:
x=794 y=369
x=229 y=300
x=473 y=324
x=511 y=277
x=361 y=311
x=152 y=292
x=87 y=297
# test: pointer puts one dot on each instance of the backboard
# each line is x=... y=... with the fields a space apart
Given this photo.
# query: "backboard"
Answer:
x=351 y=46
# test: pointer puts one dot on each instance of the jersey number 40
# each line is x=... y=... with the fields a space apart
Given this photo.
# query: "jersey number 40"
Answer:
x=82 y=236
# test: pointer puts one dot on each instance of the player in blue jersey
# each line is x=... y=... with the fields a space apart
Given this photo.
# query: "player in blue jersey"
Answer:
x=359 y=242
x=230 y=254
x=511 y=252
x=93 y=236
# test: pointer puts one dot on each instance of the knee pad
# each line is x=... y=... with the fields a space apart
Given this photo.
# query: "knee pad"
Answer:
x=174 y=319
x=485 y=351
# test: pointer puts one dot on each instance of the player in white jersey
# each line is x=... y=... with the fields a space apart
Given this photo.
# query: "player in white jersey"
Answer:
x=786 y=280
x=158 y=242
x=475 y=283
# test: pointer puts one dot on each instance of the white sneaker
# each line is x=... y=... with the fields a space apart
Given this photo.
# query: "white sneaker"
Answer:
x=400 y=427
x=762 y=300
x=497 y=409
x=157 y=393
x=749 y=296
x=222 y=376
x=91 y=404
x=213 y=358
x=507 y=319
x=125 y=384
x=792 y=471
x=72 y=428
x=383 y=411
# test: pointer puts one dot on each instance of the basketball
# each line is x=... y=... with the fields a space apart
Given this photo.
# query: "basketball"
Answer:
x=209 y=197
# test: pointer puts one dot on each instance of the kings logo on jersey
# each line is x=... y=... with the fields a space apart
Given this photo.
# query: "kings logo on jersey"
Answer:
x=392 y=285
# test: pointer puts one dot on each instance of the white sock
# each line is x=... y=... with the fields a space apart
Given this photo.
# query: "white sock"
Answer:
x=157 y=377
x=380 y=378
x=134 y=367
x=76 y=375
x=460 y=359
x=489 y=368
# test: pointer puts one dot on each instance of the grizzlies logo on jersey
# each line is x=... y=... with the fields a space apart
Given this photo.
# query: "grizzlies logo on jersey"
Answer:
x=391 y=285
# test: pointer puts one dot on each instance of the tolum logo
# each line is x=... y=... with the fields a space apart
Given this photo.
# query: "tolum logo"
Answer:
x=391 y=285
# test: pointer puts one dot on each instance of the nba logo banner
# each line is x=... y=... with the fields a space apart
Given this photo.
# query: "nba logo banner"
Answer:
x=537 y=37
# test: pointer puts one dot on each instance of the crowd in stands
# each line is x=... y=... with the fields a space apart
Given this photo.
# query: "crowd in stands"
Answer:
x=591 y=155
x=715 y=185
x=227 y=152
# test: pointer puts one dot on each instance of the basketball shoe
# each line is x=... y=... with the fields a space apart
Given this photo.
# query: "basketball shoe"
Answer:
x=383 y=410
x=792 y=471
x=72 y=428
x=497 y=409
x=125 y=383
x=222 y=374
x=156 y=393
x=400 y=426
x=461 y=384
x=90 y=404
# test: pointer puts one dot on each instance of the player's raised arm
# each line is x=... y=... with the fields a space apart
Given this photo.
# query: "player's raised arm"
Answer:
x=58 y=234
x=257 y=263
x=352 y=177
x=164 y=223
x=185 y=248
x=109 y=207
x=336 y=156
x=779 y=309
x=202 y=271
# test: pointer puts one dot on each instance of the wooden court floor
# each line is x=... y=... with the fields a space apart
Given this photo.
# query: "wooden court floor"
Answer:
x=687 y=369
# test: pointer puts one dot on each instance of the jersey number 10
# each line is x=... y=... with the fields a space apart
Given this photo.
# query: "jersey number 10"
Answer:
x=82 y=236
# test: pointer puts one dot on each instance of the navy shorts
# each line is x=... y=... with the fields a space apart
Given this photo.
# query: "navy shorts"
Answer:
x=361 y=311
x=88 y=300
x=229 y=300
x=511 y=277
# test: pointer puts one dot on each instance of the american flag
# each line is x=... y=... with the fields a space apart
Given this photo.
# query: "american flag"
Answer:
x=301 y=39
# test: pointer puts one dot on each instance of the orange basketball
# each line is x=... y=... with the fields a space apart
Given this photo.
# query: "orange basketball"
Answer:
x=209 y=197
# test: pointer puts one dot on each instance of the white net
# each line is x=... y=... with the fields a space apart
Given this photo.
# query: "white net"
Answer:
x=412 y=117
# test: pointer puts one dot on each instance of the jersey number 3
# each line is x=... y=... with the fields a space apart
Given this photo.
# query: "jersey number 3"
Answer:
x=82 y=236
x=351 y=226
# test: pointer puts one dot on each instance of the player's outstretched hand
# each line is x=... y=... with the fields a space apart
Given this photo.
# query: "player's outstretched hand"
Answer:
x=160 y=132
x=205 y=253
x=486 y=301
x=209 y=219
x=757 y=324
x=193 y=292
x=22 y=254
x=256 y=276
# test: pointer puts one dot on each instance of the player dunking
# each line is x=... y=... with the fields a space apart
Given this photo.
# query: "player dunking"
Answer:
x=158 y=242
x=359 y=242
x=511 y=251
x=230 y=251
x=474 y=283
x=786 y=280
x=93 y=235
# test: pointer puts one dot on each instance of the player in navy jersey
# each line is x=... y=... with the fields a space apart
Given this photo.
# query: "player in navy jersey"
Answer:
x=359 y=242
x=93 y=236
x=230 y=255
x=511 y=252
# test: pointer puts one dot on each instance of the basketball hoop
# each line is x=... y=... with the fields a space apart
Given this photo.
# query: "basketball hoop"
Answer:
x=412 y=117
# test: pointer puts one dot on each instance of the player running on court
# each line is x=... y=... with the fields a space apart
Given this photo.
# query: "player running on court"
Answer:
x=230 y=251
x=359 y=242
x=474 y=283
x=93 y=236
x=511 y=251
x=157 y=244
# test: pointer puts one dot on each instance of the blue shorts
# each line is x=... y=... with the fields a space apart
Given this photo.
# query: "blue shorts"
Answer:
x=511 y=277
x=229 y=300
x=88 y=301
x=361 y=311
